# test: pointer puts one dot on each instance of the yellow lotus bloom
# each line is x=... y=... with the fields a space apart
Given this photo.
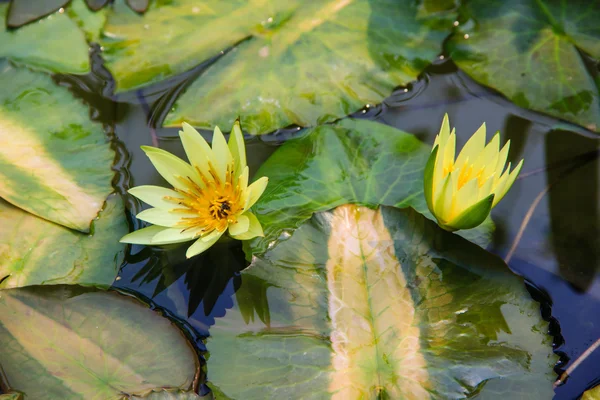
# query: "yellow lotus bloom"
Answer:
x=208 y=197
x=461 y=193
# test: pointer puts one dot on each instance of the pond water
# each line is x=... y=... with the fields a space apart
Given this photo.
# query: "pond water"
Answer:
x=547 y=227
x=197 y=291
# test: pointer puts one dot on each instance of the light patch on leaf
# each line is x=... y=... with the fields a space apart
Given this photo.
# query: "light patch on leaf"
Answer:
x=375 y=333
x=54 y=161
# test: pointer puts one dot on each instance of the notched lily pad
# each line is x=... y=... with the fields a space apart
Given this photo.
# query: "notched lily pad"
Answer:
x=54 y=161
x=294 y=62
x=67 y=342
x=34 y=251
x=531 y=51
x=364 y=304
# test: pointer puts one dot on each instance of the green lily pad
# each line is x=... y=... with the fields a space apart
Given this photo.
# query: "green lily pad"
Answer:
x=53 y=44
x=67 y=342
x=531 y=52
x=54 y=161
x=11 y=396
x=364 y=304
x=90 y=22
x=351 y=161
x=34 y=251
x=294 y=62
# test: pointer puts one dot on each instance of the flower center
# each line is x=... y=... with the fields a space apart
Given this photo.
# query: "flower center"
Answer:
x=213 y=205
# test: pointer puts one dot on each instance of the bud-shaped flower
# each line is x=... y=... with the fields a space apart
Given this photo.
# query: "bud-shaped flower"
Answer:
x=460 y=194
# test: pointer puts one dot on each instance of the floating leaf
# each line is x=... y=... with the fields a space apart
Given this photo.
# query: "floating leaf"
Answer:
x=22 y=12
x=91 y=22
x=11 y=396
x=34 y=251
x=53 y=44
x=302 y=63
x=54 y=161
x=531 y=52
x=365 y=304
x=66 y=342
x=352 y=161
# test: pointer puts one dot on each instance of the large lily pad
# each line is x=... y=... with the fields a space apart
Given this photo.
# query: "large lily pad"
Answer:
x=66 y=342
x=304 y=62
x=34 y=251
x=54 y=161
x=53 y=44
x=351 y=161
x=170 y=395
x=531 y=52
x=365 y=304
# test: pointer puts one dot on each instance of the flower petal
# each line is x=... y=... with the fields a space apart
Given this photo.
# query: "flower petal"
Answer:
x=473 y=147
x=465 y=197
x=221 y=153
x=196 y=148
x=161 y=217
x=155 y=196
x=174 y=235
x=472 y=216
x=254 y=229
x=254 y=191
x=241 y=226
x=428 y=177
x=170 y=166
x=214 y=234
x=501 y=191
x=243 y=179
x=142 y=236
x=443 y=204
x=201 y=245
x=237 y=147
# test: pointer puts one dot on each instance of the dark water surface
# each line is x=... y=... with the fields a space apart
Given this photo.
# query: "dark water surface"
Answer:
x=553 y=207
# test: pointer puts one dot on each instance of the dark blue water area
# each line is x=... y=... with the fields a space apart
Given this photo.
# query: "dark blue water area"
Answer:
x=546 y=227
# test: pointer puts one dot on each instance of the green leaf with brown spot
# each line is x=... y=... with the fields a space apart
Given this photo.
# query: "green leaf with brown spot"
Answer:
x=54 y=161
x=53 y=44
x=532 y=52
x=34 y=251
x=294 y=62
x=71 y=343
x=376 y=304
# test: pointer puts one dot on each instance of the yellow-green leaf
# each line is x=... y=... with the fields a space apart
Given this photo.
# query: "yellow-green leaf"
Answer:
x=34 y=251
x=54 y=161
x=70 y=343
x=53 y=44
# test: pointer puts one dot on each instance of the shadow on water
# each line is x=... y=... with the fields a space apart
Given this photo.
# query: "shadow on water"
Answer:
x=547 y=227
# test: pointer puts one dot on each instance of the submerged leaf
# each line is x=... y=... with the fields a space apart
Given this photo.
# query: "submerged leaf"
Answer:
x=170 y=395
x=367 y=304
x=54 y=161
x=34 y=251
x=294 y=62
x=351 y=161
x=531 y=52
x=66 y=342
x=53 y=44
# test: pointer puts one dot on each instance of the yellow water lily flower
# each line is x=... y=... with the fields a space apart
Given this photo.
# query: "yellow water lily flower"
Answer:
x=208 y=197
x=461 y=193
